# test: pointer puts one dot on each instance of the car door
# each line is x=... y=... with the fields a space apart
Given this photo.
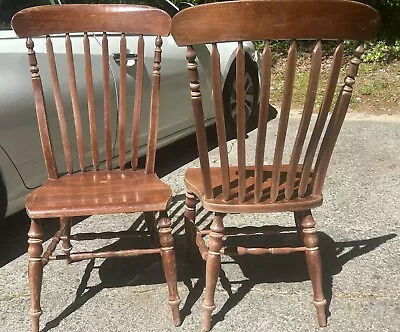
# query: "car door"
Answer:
x=175 y=117
x=18 y=126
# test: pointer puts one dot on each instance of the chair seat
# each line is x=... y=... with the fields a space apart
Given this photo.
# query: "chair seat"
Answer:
x=101 y=192
x=194 y=183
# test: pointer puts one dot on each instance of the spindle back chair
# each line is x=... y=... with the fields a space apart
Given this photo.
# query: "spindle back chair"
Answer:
x=256 y=186
x=85 y=191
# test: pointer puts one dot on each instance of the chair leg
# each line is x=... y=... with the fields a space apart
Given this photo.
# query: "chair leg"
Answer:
x=213 y=266
x=66 y=246
x=190 y=226
x=35 y=271
x=169 y=264
x=297 y=219
x=313 y=260
x=150 y=220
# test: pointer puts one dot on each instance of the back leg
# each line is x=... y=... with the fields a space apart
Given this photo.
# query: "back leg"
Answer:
x=313 y=260
x=190 y=226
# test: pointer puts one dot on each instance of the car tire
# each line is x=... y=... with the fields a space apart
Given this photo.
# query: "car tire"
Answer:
x=3 y=199
x=252 y=95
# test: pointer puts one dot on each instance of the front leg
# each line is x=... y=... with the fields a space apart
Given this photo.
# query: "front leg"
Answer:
x=35 y=271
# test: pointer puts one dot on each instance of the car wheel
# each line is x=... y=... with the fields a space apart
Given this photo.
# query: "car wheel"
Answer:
x=3 y=200
x=252 y=90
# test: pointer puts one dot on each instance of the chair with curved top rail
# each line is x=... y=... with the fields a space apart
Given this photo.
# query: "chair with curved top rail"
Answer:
x=101 y=190
x=256 y=186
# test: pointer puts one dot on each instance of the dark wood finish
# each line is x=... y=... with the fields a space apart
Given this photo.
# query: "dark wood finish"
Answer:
x=283 y=119
x=197 y=106
x=101 y=192
x=266 y=64
x=309 y=19
x=277 y=187
x=59 y=105
x=35 y=271
x=321 y=119
x=219 y=119
x=46 y=20
x=75 y=103
x=138 y=102
x=154 y=108
x=213 y=266
x=94 y=192
x=107 y=101
x=91 y=104
x=122 y=103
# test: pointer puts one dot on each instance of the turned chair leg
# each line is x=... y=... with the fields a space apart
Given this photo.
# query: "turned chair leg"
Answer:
x=151 y=224
x=297 y=219
x=169 y=264
x=35 y=271
x=66 y=246
x=213 y=266
x=313 y=260
x=190 y=226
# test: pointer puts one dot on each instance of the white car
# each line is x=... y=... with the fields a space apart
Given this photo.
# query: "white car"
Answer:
x=21 y=163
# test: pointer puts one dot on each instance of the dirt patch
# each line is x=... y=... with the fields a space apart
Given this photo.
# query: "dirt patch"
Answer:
x=376 y=91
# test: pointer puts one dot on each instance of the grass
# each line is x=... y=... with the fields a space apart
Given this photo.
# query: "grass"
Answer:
x=376 y=91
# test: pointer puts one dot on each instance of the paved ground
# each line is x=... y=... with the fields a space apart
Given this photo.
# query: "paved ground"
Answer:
x=359 y=227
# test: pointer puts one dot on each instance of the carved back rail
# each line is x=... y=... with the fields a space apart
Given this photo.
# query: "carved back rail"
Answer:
x=125 y=20
x=290 y=20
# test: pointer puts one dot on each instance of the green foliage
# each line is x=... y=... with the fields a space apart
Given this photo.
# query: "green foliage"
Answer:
x=382 y=51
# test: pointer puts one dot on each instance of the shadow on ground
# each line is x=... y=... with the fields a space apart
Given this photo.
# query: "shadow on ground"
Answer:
x=147 y=269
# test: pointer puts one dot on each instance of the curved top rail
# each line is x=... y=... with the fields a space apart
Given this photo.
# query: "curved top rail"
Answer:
x=275 y=19
x=54 y=19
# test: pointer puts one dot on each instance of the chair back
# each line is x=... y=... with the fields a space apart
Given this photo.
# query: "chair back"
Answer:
x=92 y=26
x=267 y=21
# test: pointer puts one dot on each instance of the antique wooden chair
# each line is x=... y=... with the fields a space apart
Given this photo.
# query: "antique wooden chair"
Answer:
x=254 y=186
x=98 y=190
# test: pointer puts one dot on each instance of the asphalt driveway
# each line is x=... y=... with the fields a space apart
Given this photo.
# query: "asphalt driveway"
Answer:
x=359 y=227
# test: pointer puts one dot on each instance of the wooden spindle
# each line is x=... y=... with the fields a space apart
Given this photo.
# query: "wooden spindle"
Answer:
x=91 y=106
x=197 y=106
x=41 y=111
x=107 y=101
x=137 y=102
x=241 y=120
x=59 y=105
x=266 y=64
x=312 y=89
x=75 y=103
x=122 y=102
x=154 y=108
x=335 y=123
x=220 y=121
x=283 y=119
x=321 y=119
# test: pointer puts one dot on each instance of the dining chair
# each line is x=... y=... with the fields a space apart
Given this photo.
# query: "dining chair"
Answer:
x=253 y=185
x=99 y=189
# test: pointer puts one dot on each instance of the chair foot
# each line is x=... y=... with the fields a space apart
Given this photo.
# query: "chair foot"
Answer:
x=213 y=266
x=169 y=264
x=190 y=228
x=321 y=313
x=35 y=271
x=313 y=259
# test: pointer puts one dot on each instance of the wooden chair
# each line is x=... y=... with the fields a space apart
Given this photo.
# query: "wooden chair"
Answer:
x=254 y=186
x=84 y=192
